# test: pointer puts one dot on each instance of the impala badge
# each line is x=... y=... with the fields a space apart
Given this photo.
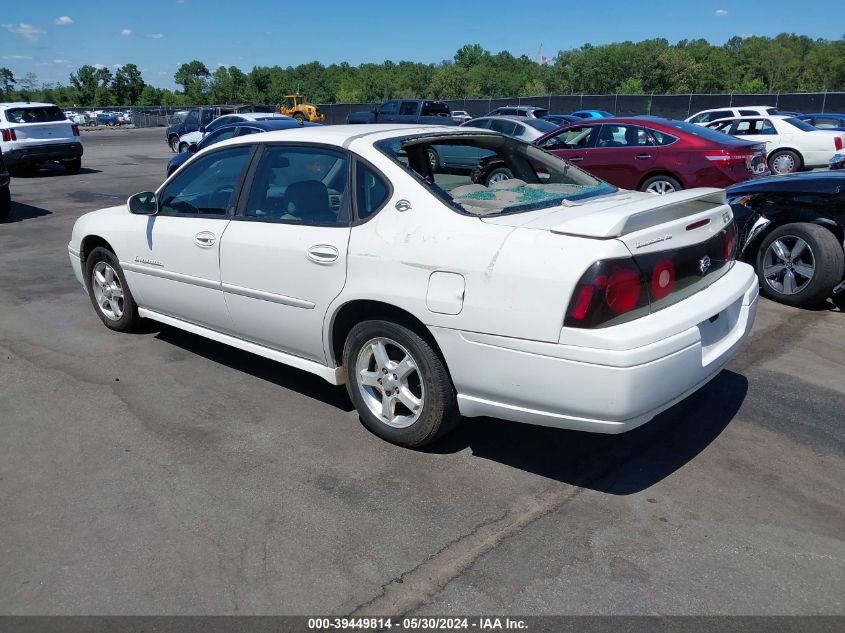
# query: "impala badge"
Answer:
x=704 y=264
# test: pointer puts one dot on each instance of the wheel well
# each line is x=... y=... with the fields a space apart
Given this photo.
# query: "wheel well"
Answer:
x=660 y=172
x=750 y=250
x=352 y=313
x=91 y=242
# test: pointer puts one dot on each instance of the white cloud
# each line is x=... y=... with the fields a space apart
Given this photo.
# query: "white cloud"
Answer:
x=126 y=32
x=720 y=13
x=63 y=20
x=17 y=56
x=60 y=61
x=28 y=31
x=156 y=36
x=100 y=66
x=163 y=72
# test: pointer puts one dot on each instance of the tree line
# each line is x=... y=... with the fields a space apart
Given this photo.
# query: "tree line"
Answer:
x=786 y=63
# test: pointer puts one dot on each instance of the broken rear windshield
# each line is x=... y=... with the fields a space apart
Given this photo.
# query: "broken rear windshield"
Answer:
x=490 y=174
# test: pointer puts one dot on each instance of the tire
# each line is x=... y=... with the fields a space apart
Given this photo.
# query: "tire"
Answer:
x=300 y=118
x=121 y=313
x=183 y=147
x=660 y=185
x=784 y=162
x=805 y=278
x=431 y=410
x=497 y=175
x=5 y=202
x=174 y=144
x=433 y=159
x=73 y=165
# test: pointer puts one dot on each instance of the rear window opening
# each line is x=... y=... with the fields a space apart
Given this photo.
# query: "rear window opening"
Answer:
x=489 y=174
x=35 y=114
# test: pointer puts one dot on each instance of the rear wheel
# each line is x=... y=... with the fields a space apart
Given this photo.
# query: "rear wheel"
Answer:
x=73 y=165
x=398 y=383
x=433 y=159
x=799 y=264
x=183 y=147
x=784 y=162
x=5 y=202
x=660 y=185
x=109 y=291
x=498 y=175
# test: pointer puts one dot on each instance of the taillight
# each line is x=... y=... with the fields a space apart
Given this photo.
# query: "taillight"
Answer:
x=611 y=291
x=837 y=142
x=729 y=244
x=723 y=158
x=8 y=135
x=75 y=129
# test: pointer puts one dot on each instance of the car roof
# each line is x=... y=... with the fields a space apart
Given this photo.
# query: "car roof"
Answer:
x=252 y=116
x=834 y=115
x=271 y=124
x=734 y=107
x=521 y=107
x=822 y=182
x=752 y=116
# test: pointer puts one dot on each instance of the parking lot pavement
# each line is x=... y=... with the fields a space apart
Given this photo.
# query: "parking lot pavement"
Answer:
x=161 y=473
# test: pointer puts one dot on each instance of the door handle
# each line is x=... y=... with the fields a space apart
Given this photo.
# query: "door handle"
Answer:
x=323 y=254
x=575 y=159
x=642 y=156
x=205 y=239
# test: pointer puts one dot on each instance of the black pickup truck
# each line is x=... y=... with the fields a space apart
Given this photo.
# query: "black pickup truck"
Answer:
x=406 y=111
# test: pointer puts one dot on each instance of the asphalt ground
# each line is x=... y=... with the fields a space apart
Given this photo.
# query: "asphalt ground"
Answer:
x=161 y=473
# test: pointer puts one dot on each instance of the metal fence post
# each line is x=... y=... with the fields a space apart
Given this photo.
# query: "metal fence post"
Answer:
x=824 y=100
x=731 y=102
x=689 y=106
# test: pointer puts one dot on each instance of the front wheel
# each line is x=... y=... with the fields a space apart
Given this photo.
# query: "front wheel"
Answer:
x=174 y=144
x=659 y=185
x=433 y=159
x=498 y=175
x=300 y=118
x=109 y=291
x=183 y=147
x=398 y=384
x=799 y=264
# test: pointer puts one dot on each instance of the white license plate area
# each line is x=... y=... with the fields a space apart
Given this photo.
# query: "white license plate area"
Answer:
x=715 y=333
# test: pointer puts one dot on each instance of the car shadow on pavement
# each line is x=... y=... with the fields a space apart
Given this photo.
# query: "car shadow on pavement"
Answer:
x=20 y=212
x=616 y=464
x=48 y=171
x=282 y=375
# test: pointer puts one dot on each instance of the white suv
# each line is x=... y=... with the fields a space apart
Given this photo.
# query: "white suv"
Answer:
x=34 y=133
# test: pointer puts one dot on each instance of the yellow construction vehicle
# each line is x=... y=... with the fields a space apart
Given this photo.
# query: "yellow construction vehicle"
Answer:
x=299 y=109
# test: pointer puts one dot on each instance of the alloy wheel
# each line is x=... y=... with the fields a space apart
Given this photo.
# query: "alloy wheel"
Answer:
x=108 y=292
x=788 y=265
x=389 y=382
x=659 y=187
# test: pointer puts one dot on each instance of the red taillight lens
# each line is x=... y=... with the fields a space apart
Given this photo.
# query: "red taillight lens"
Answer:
x=75 y=129
x=837 y=142
x=663 y=277
x=723 y=158
x=8 y=135
x=729 y=250
x=611 y=291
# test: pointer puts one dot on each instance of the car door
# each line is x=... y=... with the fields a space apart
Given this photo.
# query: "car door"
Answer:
x=388 y=112
x=283 y=257
x=409 y=112
x=574 y=144
x=623 y=155
x=758 y=131
x=174 y=255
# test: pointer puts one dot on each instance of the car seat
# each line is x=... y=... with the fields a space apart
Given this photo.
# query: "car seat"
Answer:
x=308 y=200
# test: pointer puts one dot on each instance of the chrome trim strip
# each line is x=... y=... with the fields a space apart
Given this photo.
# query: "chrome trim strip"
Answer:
x=166 y=274
x=268 y=296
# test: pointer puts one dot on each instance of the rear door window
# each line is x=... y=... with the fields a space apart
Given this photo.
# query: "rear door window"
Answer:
x=578 y=137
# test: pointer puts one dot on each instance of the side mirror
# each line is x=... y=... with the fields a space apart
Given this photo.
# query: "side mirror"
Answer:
x=144 y=203
x=202 y=129
x=193 y=148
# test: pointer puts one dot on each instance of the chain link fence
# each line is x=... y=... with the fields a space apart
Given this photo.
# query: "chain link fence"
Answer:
x=669 y=106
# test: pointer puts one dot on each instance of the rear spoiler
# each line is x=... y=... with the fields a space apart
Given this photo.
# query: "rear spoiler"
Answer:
x=630 y=216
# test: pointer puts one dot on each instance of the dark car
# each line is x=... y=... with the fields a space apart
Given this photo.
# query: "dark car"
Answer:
x=5 y=196
x=825 y=121
x=791 y=228
x=562 y=119
x=653 y=154
x=201 y=117
x=229 y=131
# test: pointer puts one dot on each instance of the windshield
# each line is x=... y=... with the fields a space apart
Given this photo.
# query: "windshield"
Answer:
x=490 y=174
x=801 y=125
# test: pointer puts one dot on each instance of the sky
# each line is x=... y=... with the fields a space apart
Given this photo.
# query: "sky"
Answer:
x=52 y=39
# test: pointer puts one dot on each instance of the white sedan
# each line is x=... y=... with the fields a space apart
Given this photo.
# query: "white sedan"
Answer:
x=791 y=144
x=550 y=298
x=186 y=140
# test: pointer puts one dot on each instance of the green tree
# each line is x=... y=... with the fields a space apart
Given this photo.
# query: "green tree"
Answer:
x=84 y=81
x=192 y=77
x=7 y=83
x=127 y=85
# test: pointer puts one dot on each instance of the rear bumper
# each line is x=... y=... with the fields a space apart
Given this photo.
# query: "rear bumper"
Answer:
x=43 y=153
x=611 y=388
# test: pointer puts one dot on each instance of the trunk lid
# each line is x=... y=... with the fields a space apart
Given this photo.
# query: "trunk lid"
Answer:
x=53 y=131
